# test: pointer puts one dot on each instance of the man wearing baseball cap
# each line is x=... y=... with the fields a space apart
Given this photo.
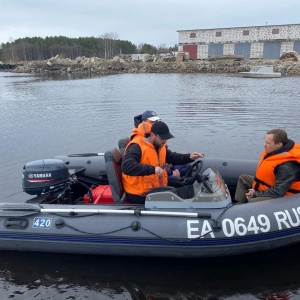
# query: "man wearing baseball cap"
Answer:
x=142 y=167
x=150 y=116
x=147 y=119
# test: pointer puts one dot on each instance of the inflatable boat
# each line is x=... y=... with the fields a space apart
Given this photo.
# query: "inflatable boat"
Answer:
x=77 y=205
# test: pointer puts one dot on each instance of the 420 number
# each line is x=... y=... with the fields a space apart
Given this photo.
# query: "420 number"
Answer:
x=44 y=223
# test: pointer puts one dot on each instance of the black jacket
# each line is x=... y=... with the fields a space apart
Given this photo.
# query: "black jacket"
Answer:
x=131 y=162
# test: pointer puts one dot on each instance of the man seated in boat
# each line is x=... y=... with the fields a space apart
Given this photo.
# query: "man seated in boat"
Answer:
x=278 y=171
x=144 y=162
x=143 y=124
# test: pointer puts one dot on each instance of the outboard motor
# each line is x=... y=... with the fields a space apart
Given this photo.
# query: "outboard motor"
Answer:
x=44 y=175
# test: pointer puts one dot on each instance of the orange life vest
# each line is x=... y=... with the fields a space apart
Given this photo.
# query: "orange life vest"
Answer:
x=139 y=185
x=141 y=130
x=265 y=176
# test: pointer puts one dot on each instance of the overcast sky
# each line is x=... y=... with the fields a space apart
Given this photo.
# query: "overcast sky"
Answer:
x=153 y=22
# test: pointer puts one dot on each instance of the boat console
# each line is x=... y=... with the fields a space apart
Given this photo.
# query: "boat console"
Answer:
x=208 y=191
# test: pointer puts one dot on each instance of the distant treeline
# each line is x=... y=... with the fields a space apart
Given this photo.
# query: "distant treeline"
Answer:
x=36 y=48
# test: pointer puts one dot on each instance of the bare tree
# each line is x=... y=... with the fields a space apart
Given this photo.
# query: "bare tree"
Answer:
x=12 y=49
x=162 y=47
x=140 y=47
x=109 y=39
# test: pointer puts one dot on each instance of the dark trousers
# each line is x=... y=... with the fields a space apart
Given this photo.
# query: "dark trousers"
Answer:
x=135 y=199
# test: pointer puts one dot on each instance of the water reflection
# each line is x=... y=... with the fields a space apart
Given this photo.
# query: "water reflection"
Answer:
x=62 y=276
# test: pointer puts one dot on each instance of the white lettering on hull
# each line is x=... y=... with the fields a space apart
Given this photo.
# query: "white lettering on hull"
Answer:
x=285 y=219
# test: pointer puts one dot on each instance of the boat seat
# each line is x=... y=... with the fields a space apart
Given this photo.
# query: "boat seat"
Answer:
x=122 y=145
x=113 y=161
x=162 y=189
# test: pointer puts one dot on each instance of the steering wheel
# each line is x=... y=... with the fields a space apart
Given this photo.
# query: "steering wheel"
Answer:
x=192 y=172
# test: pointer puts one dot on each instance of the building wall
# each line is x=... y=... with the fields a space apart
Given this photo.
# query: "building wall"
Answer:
x=257 y=36
x=202 y=51
x=256 y=50
x=236 y=34
x=228 y=49
x=286 y=47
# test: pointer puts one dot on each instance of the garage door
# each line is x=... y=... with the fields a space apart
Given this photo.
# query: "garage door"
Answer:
x=271 y=50
x=243 y=49
x=215 y=49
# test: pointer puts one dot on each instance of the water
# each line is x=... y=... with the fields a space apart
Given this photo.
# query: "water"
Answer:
x=218 y=115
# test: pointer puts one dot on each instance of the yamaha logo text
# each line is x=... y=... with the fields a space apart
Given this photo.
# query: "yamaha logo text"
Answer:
x=39 y=175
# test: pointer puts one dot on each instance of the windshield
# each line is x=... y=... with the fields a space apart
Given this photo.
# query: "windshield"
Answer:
x=208 y=191
x=211 y=187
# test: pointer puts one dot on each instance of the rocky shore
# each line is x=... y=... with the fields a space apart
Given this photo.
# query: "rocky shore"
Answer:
x=122 y=64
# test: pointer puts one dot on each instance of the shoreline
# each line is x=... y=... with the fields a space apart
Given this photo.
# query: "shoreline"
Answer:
x=119 y=65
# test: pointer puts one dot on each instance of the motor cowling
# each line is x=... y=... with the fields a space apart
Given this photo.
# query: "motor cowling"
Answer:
x=43 y=175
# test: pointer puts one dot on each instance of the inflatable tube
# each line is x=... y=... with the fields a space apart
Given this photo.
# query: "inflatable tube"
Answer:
x=94 y=163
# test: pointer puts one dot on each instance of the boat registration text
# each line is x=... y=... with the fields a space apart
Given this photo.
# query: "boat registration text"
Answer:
x=239 y=226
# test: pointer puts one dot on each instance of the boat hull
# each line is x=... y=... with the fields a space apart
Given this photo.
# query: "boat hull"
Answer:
x=131 y=231
x=259 y=75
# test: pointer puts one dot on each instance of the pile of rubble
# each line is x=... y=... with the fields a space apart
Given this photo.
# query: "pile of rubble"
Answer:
x=156 y=57
x=158 y=63
x=290 y=56
x=168 y=56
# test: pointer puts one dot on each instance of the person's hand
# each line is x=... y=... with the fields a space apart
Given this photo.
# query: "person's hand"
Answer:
x=196 y=155
x=159 y=171
x=176 y=173
x=250 y=193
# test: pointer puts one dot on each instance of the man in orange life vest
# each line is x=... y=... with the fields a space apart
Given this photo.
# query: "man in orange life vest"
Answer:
x=278 y=171
x=144 y=159
x=142 y=127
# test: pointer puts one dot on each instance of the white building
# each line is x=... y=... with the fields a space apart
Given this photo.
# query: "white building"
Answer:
x=254 y=42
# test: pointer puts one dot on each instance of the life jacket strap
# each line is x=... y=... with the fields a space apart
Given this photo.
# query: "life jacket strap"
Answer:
x=259 y=182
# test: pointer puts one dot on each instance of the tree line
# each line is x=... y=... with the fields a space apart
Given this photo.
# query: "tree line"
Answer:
x=37 y=48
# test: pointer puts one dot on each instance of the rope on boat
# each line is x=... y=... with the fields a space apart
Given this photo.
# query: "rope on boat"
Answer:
x=217 y=226
x=92 y=233
x=217 y=222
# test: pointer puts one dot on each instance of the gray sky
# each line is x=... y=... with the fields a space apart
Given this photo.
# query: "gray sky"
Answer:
x=153 y=22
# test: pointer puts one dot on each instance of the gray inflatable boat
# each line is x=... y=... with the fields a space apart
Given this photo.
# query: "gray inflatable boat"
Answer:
x=78 y=206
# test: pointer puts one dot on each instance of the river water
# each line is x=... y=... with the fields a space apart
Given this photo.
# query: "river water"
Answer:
x=219 y=115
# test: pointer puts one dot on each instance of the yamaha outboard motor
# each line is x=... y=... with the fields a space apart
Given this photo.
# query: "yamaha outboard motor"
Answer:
x=44 y=175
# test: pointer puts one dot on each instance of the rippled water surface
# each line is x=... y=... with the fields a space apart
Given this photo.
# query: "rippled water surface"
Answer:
x=218 y=115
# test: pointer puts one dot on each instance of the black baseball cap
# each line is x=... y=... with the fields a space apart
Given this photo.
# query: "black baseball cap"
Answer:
x=162 y=130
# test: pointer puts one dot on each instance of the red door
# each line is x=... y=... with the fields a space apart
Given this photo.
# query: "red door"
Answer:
x=192 y=50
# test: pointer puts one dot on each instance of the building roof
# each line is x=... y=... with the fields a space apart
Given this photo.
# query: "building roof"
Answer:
x=222 y=28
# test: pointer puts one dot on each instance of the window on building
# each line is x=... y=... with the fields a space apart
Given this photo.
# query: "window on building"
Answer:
x=218 y=33
x=192 y=35
x=275 y=31
x=246 y=32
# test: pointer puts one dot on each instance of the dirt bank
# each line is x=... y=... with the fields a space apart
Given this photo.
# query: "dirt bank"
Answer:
x=95 y=65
